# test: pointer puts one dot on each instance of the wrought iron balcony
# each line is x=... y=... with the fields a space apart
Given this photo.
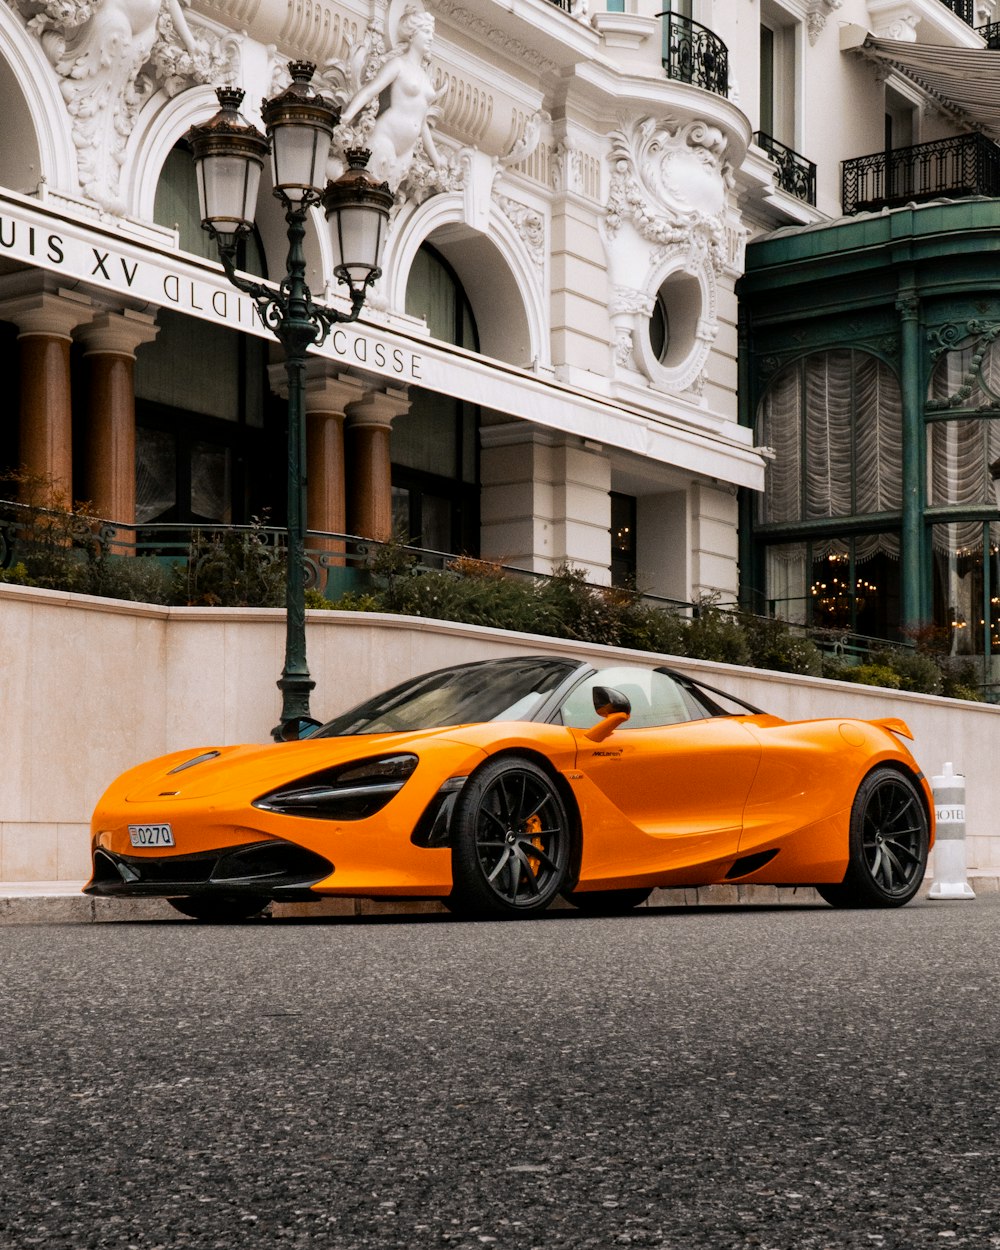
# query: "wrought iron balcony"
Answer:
x=991 y=34
x=965 y=9
x=796 y=175
x=946 y=168
x=693 y=54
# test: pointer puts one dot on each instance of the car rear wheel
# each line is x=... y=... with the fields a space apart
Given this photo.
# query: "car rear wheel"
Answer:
x=511 y=841
x=220 y=908
x=889 y=841
x=607 y=902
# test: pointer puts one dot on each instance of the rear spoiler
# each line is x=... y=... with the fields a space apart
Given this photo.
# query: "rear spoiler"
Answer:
x=894 y=726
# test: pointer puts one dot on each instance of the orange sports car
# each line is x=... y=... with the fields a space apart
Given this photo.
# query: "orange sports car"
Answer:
x=497 y=786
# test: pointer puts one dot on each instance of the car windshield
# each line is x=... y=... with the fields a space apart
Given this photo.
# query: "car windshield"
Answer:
x=497 y=690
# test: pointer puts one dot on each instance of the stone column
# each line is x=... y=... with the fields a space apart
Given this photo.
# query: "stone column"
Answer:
x=369 y=467
x=545 y=500
x=329 y=393
x=109 y=345
x=45 y=317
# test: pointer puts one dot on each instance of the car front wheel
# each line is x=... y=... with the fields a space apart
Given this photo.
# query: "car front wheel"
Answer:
x=889 y=841
x=511 y=841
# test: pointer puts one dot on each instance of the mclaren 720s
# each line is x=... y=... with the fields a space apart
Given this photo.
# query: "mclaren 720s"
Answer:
x=496 y=787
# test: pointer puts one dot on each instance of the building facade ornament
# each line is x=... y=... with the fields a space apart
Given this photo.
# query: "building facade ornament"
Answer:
x=111 y=56
x=670 y=180
x=400 y=134
x=819 y=11
x=530 y=227
x=495 y=38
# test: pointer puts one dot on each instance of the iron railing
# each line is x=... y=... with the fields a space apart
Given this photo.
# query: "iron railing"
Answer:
x=694 y=54
x=203 y=558
x=991 y=35
x=965 y=9
x=946 y=168
x=796 y=175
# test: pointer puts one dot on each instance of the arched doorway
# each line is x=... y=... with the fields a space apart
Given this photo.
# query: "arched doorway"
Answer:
x=435 y=446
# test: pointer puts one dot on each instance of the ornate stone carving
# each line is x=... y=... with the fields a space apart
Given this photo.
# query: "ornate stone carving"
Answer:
x=627 y=300
x=819 y=11
x=624 y=350
x=399 y=135
x=671 y=181
x=523 y=53
x=524 y=145
x=111 y=55
x=530 y=226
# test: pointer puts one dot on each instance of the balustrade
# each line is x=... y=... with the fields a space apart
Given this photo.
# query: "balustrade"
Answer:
x=946 y=168
x=796 y=175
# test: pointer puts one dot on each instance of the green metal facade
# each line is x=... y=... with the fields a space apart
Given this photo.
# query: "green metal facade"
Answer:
x=906 y=287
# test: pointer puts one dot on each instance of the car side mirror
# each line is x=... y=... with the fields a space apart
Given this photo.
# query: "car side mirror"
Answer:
x=614 y=709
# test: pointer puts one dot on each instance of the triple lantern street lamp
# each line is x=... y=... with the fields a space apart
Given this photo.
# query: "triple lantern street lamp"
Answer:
x=229 y=157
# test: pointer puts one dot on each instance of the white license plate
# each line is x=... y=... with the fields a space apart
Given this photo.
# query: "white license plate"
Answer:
x=151 y=835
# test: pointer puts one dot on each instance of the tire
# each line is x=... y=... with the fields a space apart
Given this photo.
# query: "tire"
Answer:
x=607 y=902
x=220 y=908
x=511 y=843
x=889 y=840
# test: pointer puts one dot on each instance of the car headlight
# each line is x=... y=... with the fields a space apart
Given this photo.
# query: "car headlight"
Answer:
x=350 y=792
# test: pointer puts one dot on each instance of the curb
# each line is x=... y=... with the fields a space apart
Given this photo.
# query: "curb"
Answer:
x=61 y=902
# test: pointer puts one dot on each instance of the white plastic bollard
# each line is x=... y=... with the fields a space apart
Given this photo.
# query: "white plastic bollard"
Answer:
x=949 y=844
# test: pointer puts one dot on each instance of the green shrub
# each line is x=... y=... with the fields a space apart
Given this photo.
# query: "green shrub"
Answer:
x=717 y=635
x=232 y=569
x=141 y=579
x=773 y=645
x=17 y=575
x=917 y=672
x=872 y=675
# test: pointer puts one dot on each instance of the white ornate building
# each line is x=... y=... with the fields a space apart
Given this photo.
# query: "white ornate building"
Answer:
x=550 y=354
x=547 y=370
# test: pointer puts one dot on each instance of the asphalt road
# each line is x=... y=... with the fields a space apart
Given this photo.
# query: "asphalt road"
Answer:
x=776 y=1078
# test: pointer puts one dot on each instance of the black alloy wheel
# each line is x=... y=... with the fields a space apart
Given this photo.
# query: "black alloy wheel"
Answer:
x=511 y=842
x=221 y=908
x=889 y=838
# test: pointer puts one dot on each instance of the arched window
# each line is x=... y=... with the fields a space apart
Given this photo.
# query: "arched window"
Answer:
x=201 y=391
x=435 y=446
x=834 y=422
x=176 y=206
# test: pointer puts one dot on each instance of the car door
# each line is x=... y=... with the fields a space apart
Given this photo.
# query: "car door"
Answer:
x=664 y=792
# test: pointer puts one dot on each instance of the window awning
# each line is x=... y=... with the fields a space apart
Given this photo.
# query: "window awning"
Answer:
x=966 y=81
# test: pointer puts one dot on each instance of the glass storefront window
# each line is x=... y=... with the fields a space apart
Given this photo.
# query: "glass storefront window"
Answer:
x=959 y=455
x=844 y=584
x=834 y=423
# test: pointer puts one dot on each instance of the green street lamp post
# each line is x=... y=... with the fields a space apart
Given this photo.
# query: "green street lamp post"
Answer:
x=229 y=157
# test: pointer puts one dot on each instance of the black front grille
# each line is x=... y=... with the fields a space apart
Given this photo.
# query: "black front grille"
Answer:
x=272 y=867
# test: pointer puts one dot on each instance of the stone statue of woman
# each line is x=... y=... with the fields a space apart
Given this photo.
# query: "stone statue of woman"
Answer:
x=405 y=120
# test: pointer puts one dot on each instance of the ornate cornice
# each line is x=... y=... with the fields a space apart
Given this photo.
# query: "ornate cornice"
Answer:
x=111 y=56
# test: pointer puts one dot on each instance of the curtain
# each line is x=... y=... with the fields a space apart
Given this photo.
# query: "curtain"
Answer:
x=959 y=456
x=878 y=468
x=828 y=394
x=786 y=581
x=778 y=428
x=850 y=440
